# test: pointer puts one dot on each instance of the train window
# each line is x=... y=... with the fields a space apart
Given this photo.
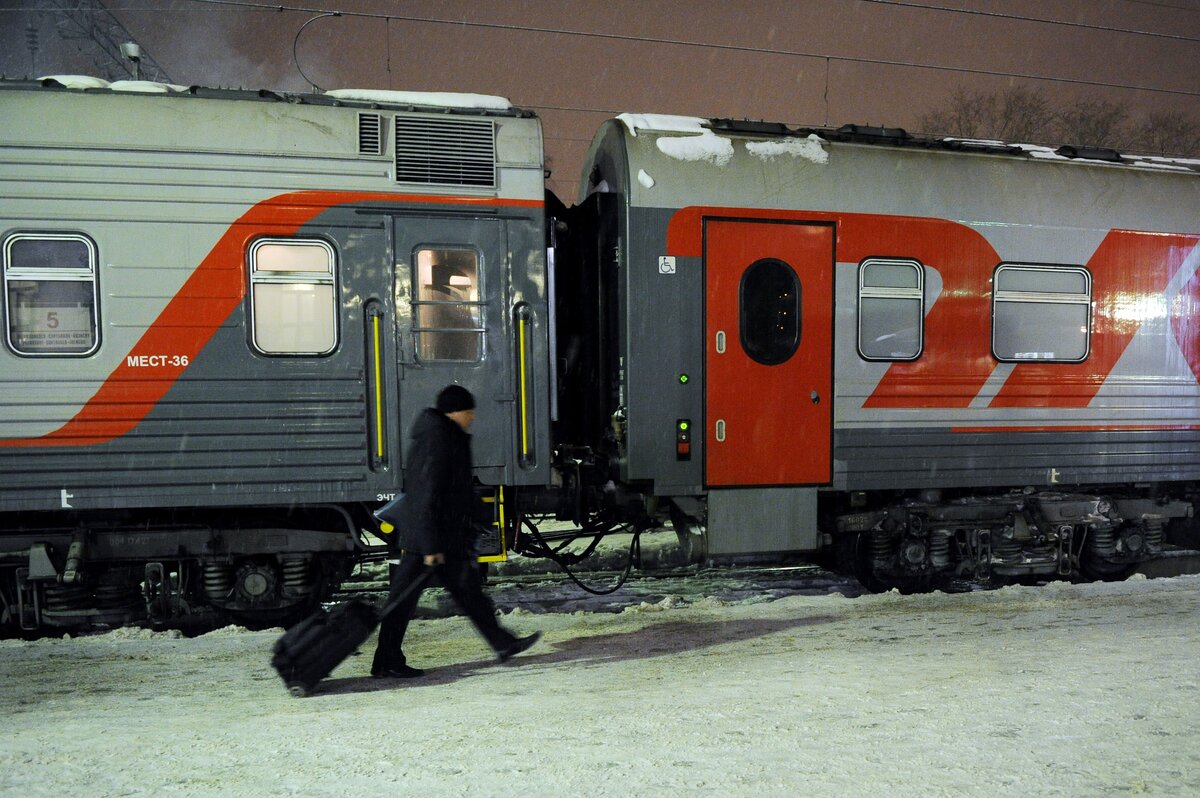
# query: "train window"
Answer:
x=293 y=296
x=769 y=311
x=449 y=314
x=1041 y=313
x=50 y=294
x=891 y=309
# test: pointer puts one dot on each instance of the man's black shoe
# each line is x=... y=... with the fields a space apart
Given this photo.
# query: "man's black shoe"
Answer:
x=403 y=672
x=517 y=646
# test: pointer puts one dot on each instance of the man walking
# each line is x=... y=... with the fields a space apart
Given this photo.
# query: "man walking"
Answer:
x=435 y=531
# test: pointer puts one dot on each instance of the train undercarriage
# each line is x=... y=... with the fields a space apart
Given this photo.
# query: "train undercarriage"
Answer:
x=173 y=570
x=923 y=540
x=929 y=542
x=259 y=569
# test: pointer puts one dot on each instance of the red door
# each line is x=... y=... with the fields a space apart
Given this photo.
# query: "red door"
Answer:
x=769 y=352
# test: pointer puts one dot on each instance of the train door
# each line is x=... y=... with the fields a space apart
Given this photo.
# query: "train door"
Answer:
x=769 y=352
x=451 y=292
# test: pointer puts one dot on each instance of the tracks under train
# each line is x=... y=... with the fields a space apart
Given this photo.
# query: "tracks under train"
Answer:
x=553 y=591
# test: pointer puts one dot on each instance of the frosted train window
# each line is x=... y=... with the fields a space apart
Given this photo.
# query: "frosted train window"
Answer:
x=769 y=311
x=50 y=295
x=449 y=314
x=891 y=309
x=293 y=297
x=1041 y=313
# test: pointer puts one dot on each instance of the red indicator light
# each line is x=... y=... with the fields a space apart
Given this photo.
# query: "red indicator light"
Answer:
x=683 y=439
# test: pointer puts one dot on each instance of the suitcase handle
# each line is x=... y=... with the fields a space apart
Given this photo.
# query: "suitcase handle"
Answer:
x=417 y=584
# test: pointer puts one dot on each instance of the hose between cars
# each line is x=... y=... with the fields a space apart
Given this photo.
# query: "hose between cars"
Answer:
x=540 y=547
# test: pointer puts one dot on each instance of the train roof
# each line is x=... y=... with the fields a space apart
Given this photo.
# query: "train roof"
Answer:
x=354 y=139
x=706 y=139
x=671 y=162
x=443 y=102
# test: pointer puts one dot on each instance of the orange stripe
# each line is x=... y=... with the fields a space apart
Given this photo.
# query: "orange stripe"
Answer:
x=1128 y=269
x=208 y=297
x=1185 y=322
x=957 y=360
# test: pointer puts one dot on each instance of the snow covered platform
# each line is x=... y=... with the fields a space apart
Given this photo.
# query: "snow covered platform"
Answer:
x=1057 y=690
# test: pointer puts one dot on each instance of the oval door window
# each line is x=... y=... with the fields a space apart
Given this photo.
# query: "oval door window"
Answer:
x=769 y=311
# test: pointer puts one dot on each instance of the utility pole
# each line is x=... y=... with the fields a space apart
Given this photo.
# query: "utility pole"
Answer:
x=100 y=36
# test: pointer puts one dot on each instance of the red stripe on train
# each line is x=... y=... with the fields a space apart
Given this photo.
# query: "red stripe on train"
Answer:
x=212 y=292
x=1130 y=270
x=957 y=359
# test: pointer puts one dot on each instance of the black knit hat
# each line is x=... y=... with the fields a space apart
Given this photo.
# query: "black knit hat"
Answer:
x=454 y=398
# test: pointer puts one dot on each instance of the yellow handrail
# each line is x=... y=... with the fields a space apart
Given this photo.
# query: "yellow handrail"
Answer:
x=378 y=391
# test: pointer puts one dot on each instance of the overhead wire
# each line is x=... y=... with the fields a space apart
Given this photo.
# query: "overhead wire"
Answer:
x=1023 y=18
x=1158 y=4
x=276 y=7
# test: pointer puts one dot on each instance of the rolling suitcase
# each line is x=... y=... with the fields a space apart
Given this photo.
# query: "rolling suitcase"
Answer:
x=311 y=649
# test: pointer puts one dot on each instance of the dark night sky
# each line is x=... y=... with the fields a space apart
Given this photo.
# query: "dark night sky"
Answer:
x=576 y=62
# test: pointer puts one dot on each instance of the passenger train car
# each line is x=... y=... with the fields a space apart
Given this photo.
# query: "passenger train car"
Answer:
x=222 y=309
x=941 y=360
x=948 y=359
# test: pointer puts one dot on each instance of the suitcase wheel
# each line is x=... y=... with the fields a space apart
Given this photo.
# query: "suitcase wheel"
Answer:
x=297 y=690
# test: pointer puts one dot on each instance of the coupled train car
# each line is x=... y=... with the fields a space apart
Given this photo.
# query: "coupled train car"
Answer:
x=941 y=361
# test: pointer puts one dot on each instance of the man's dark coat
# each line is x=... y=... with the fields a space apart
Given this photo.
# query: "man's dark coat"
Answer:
x=436 y=514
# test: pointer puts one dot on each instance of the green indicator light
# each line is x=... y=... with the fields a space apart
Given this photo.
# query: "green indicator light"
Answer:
x=683 y=425
x=683 y=379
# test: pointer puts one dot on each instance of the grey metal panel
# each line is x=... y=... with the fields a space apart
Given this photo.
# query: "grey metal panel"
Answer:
x=995 y=192
x=244 y=428
x=888 y=458
x=297 y=144
x=606 y=166
x=754 y=520
x=664 y=334
x=525 y=264
x=157 y=182
x=513 y=262
x=237 y=427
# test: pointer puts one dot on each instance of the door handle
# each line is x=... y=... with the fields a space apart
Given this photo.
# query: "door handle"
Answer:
x=720 y=342
x=720 y=430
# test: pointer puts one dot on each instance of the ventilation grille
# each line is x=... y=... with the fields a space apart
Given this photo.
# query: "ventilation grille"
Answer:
x=370 y=134
x=448 y=152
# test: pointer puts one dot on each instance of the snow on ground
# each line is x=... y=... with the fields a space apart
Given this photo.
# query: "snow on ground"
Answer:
x=1069 y=690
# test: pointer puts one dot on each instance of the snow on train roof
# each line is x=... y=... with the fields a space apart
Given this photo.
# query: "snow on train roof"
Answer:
x=1079 y=155
x=687 y=138
x=662 y=123
x=419 y=98
x=430 y=98
x=1143 y=161
x=701 y=143
x=89 y=82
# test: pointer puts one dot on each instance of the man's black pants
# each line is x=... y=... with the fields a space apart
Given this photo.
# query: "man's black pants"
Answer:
x=462 y=579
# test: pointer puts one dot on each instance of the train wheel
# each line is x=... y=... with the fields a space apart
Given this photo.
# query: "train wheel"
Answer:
x=1105 y=571
x=854 y=557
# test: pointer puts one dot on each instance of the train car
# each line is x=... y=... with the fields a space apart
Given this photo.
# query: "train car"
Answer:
x=948 y=361
x=222 y=310
x=945 y=362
